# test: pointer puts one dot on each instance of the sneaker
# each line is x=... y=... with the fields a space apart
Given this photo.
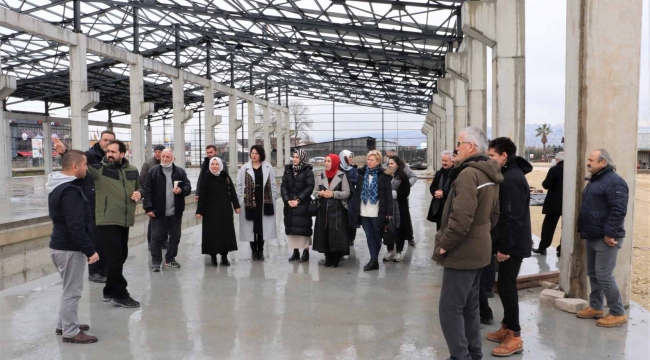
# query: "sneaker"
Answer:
x=97 y=278
x=499 y=335
x=511 y=345
x=173 y=264
x=82 y=327
x=80 y=338
x=612 y=320
x=106 y=298
x=128 y=302
x=590 y=313
x=389 y=256
x=398 y=257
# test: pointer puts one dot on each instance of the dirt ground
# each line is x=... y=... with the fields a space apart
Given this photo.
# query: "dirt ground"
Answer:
x=641 y=251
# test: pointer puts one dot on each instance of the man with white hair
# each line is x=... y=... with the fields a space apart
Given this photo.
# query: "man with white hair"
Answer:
x=438 y=190
x=554 y=182
x=463 y=246
x=164 y=193
x=601 y=225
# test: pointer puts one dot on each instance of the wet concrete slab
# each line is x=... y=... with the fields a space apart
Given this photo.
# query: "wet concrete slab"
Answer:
x=280 y=310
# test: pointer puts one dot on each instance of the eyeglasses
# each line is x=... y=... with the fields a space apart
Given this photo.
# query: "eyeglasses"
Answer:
x=458 y=144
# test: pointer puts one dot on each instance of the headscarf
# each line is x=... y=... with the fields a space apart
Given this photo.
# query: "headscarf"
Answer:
x=216 y=158
x=302 y=155
x=344 y=164
x=336 y=161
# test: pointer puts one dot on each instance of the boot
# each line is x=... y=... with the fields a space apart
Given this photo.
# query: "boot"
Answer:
x=295 y=256
x=260 y=251
x=511 y=345
x=328 y=261
x=499 y=335
x=373 y=264
x=335 y=262
x=608 y=321
x=590 y=313
x=213 y=260
x=254 y=253
x=305 y=256
x=224 y=260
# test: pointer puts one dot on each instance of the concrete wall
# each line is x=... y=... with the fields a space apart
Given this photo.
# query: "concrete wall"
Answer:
x=25 y=251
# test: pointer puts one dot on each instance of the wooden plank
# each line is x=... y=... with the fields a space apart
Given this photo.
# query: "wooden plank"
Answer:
x=535 y=280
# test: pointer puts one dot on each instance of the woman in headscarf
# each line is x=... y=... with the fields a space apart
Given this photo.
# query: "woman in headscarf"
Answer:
x=296 y=188
x=375 y=204
x=331 y=229
x=216 y=203
x=350 y=171
x=256 y=190
x=401 y=188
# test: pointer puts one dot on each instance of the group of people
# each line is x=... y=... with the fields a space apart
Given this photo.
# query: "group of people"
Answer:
x=481 y=208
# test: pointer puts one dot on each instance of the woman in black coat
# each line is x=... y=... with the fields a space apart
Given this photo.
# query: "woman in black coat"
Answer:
x=401 y=189
x=216 y=203
x=331 y=229
x=296 y=188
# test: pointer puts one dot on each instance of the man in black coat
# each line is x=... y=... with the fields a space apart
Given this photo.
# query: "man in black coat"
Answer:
x=601 y=224
x=211 y=151
x=95 y=155
x=511 y=240
x=437 y=189
x=552 y=204
x=164 y=193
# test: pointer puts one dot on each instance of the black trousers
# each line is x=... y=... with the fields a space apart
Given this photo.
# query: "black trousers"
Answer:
x=400 y=245
x=488 y=275
x=98 y=267
x=257 y=243
x=507 y=286
x=548 y=229
x=163 y=228
x=116 y=249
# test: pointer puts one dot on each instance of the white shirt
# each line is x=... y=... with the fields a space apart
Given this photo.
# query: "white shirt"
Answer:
x=368 y=209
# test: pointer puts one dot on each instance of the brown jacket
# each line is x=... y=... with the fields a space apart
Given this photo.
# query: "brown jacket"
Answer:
x=471 y=210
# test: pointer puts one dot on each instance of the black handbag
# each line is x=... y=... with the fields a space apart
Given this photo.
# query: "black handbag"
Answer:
x=390 y=234
x=313 y=207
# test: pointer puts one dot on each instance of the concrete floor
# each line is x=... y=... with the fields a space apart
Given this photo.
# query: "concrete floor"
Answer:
x=278 y=310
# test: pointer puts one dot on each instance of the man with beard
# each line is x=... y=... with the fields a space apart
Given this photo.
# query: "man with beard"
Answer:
x=117 y=186
x=211 y=151
x=164 y=202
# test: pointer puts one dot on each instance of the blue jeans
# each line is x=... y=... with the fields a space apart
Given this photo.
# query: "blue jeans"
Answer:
x=371 y=228
x=601 y=261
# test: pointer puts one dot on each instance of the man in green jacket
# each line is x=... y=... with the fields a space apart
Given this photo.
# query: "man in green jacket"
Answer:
x=117 y=189
x=463 y=246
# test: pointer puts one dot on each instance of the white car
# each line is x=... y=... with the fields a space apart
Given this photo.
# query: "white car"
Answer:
x=316 y=160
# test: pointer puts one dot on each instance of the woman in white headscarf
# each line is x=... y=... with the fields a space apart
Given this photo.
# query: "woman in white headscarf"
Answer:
x=216 y=203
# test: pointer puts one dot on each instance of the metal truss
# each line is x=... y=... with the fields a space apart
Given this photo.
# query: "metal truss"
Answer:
x=380 y=53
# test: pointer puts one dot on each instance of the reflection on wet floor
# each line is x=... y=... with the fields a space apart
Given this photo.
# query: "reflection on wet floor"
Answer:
x=281 y=310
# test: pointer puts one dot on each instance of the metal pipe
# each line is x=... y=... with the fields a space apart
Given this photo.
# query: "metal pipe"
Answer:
x=136 y=30
x=178 y=45
x=76 y=8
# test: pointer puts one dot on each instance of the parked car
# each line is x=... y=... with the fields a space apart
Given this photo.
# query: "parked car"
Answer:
x=317 y=160
x=418 y=165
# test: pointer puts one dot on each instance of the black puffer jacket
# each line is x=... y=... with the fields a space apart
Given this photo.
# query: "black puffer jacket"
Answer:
x=154 y=191
x=95 y=154
x=554 y=183
x=297 y=220
x=385 y=195
x=512 y=234
x=604 y=206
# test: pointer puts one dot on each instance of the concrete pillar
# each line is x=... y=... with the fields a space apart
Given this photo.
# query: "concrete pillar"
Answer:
x=233 y=125
x=209 y=123
x=148 y=142
x=139 y=112
x=287 y=138
x=455 y=89
x=428 y=130
x=267 y=131
x=7 y=87
x=477 y=85
x=279 y=137
x=81 y=100
x=603 y=38
x=47 y=147
x=251 y=123
x=209 y=129
x=178 y=102
x=450 y=132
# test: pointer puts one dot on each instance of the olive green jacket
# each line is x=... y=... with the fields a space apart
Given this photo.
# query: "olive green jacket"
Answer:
x=114 y=186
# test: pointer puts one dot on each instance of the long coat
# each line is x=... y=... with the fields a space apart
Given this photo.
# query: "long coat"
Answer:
x=268 y=221
x=438 y=205
x=216 y=205
x=297 y=221
x=332 y=214
x=554 y=182
x=402 y=190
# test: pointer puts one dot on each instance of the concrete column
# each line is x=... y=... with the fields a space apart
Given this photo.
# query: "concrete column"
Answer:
x=233 y=125
x=450 y=130
x=209 y=129
x=7 y=87
x=455 y=89
x=603 y=38
x=287 y=138
x=47 y=147
x=477 y=85
x=428 y=130
x=178 y=101
x=251 y=123
x=139 y=112
x=279 y=136
x=267 y=131
x=209 y=123
x=81 y=100
x=148 y=142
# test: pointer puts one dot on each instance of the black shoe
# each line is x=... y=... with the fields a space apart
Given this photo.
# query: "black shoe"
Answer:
x=335 y=262
x=305 y=256
x=97 y=278
x=412 y=243
x=538 y=251
x=558 y=253
x=173 y=264
x=106 y=298
x=128 y=303
x=373 y=264
x=155 y=268
x=224 y=260
x=328 y=261
x=487 y=321
x=490 y=294
x=295 y=256
x=260 y=255
x=213 y=260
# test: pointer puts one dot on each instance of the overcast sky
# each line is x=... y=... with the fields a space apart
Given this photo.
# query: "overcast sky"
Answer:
x=545 y=70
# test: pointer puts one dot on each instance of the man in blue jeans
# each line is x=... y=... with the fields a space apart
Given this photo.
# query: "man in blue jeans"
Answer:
x=601 y=225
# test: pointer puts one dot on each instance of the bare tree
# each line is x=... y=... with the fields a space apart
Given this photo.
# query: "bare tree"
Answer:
x=259 y=121
x=301 y=122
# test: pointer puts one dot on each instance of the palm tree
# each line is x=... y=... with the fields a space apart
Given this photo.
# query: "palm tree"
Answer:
x=544 y=131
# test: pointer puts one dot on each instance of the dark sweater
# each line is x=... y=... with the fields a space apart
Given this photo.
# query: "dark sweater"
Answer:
x=72 y=218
